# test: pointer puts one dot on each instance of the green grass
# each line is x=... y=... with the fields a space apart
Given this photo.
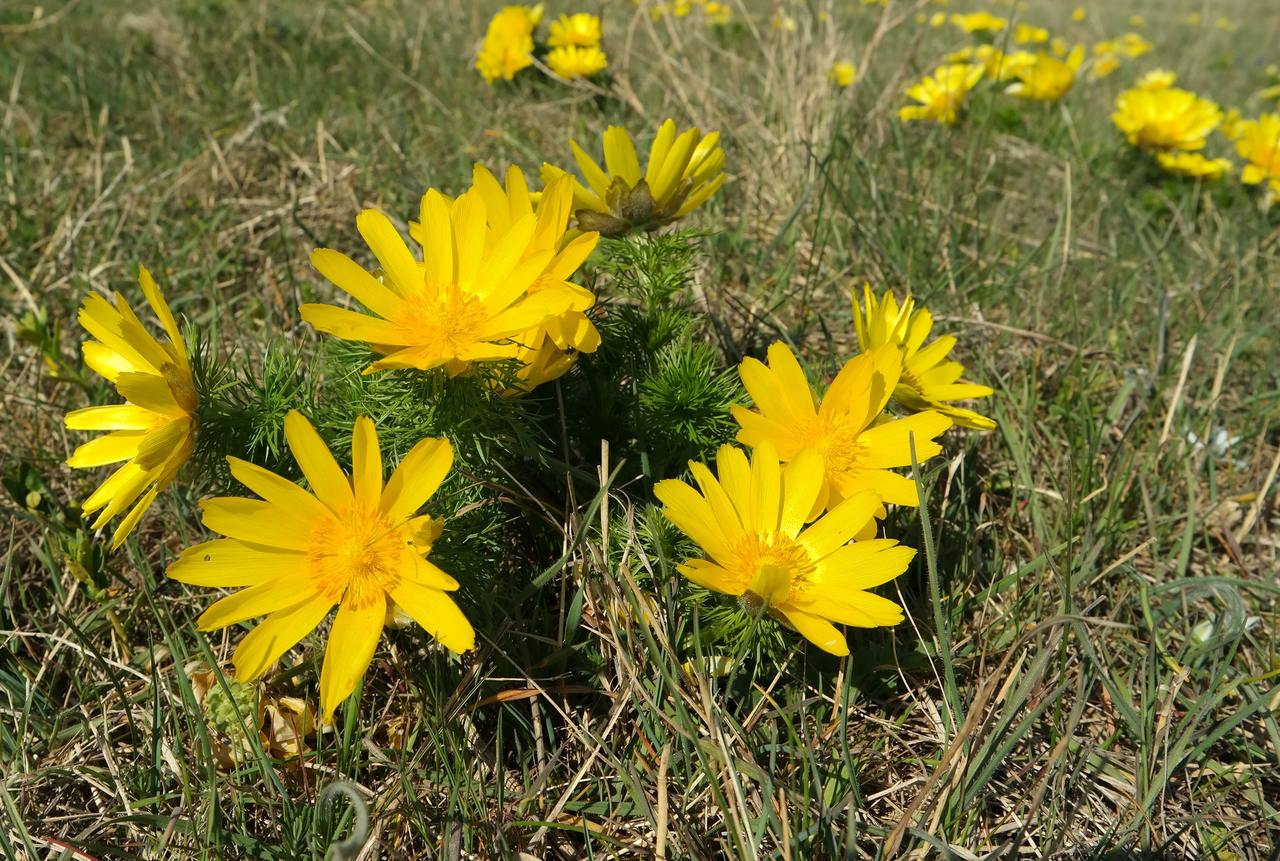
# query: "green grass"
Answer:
x=1089 y=668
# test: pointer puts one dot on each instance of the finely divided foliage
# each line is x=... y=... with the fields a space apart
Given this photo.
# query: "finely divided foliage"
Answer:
x=676 y=429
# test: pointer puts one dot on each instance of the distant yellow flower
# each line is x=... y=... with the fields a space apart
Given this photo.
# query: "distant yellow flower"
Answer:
x=937 y=19
x=581 y=29
x=717 y=14
x=1232 y=125
x=1194 y=164
x=572 y=61
x=1102 y=67
x=508 y=42
x=1165 y=119
x=1192 y=18
x=1047 y=79
x=848 y=429
x=1105 y=48
x=1027 y=34
x=942 y=95
x=1078 y=14
x=681 y=8
x=153 y=432
x=1137 y=22
x=1058 y=46
x=749 y=522
x=783 y=22
x=465 y=302
x=1226 y=25
x=1133 y=45
x=979 y=22
x=350 y=541
x=1157 y=79
x=683 y=171
x=842 y=74
x=1258 y=143
x=549 y=349
x=996 y=64
x=928 y=380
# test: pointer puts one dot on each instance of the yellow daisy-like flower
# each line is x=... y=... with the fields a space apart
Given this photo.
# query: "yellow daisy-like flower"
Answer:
x=979 y=22
x=1133 y=45
x=1047 y=79
x=1102 y=67
x=153 y=432
x=1078 y=14
x=1157 y=79
x=717 y=14
x=1028 y=34
x=842 y=74
x=749 y=521
x=508 y=43
x=1165 y=119
x=683 y=171
x=1193 y=164
x=1258 y=143
x=857 y=447
x=572 y=61
x=548 y=350
x=465 y=302
x=581 y=29
x=942 y=95
x=350 y=542
x=928 y=381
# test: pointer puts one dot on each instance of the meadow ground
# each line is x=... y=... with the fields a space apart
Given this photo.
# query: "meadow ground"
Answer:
x=1089 y=666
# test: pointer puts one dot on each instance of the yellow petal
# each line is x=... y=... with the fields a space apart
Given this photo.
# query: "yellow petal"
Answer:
x=130 y=520
x=801 y=483
x=817 y=630
x=256 y=522
x=403 y=272
x=354 y=326
x=111 y=448
x=328 y=481
x=277 y=490
x=889 y=444
x=277 y=634
x=416 y=478
x=114 y=417
x=366 y=464
x=861 y=565
x=351 y=278
x=227 y=563
x=259 y=600
x=840 y=524
x=438 y=249
x=438 y=615
x=352 y=641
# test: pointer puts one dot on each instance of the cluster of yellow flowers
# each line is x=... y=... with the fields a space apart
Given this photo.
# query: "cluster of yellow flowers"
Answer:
x=493 y=283
x=508 y=46
x=791 y=530
x=714 y=13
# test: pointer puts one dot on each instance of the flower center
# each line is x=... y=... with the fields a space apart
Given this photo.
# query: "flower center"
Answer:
x=443 y=321
x=357 y=556
x=773 y=568
x=837 y=442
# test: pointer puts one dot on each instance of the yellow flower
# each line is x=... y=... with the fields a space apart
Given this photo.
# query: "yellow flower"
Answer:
x=153 y=432
x=683 y=171
x=1058 y=46
x=1103 y=66
x=508 y=42
x=942 y=95
x=1078 y=14
x=350 y=541
x=1192 y=18
x=783 y=22
x=858 y=448
x=549 y=349
x=842 y=74
x=749 y=522
x=1137 y=22
x=996 y=64
x=937 y=19
x=1232 y=125
x=1105 y=48
x=1258 y=143
x=1027 y=34
x=571 y=61
x=1226 y=25
x=928 y=381
x=1165 y=119
x=979 y=22
x=581 y=29
x=1157 y=79
x=465 y=302
x=1193 y=164
x=1133 y=45
x=1047 y=79
x=716 y=13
